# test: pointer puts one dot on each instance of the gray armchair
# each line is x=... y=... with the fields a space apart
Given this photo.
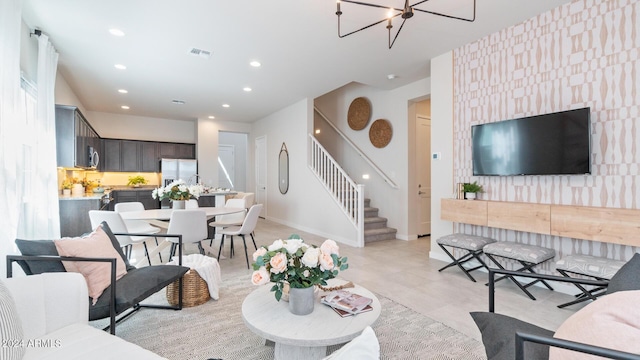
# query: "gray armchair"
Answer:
x=122 y=297
x=507 y=338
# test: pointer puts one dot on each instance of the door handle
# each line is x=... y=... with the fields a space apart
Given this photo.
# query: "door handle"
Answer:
x=421 y=192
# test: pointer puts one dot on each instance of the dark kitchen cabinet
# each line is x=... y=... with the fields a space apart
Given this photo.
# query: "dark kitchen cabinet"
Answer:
x=176 y=151
x=139 y=195
x=185 y=151
x=130 y=155
x=141 y=156
x=148 y=156
x=74 y=138
x=110 y=155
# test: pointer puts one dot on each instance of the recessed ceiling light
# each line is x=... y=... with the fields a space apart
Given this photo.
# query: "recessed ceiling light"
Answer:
x=392 y=76
x=317 y=131
x=225 y=105
x=178 y=102
x=124 y=107
x=247 y=89
x=211 y=117
x=120 y=66
x=123 y=91
x=116 y=32
x=255 y=63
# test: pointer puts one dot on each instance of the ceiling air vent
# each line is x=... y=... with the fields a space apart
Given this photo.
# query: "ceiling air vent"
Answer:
x=199 y=52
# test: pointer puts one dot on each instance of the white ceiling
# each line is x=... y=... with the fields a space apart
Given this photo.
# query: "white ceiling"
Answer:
x=295 y=40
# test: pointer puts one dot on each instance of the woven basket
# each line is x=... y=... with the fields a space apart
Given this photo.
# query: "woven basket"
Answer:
x=195 y=290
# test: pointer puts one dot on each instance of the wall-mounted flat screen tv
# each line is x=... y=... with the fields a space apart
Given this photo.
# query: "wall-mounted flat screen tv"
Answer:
x=549 y=144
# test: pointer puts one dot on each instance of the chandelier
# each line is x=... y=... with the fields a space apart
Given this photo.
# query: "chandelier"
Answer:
x=405 y=13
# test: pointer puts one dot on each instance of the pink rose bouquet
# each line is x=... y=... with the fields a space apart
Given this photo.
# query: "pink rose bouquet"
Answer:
x=299 y=264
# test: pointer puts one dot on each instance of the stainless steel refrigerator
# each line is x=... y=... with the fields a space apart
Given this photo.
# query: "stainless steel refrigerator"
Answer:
x=178 y=169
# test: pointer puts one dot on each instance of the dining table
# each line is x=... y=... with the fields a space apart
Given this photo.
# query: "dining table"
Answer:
x=160 y=217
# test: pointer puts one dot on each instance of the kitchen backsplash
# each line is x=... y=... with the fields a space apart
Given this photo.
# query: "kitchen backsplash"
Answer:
x=107 y=178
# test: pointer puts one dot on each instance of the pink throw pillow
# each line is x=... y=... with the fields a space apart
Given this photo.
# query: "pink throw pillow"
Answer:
x=612 y=321
x=95 y=245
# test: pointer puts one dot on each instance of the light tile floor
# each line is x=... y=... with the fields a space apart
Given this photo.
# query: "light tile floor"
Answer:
x=402 y=271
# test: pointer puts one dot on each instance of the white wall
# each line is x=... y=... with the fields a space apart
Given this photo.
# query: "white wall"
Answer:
x=306 y=205
x=441 y=141
x=393 y=159
x=207 y=147
x=122 y=126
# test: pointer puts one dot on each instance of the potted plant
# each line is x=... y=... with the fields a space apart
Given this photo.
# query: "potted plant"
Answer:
x=67 y=184
x=136 y=181
x=299 y=265
x=178 y=192
x=471 y=189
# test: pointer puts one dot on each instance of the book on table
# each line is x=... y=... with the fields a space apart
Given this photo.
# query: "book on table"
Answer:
x=346 y=303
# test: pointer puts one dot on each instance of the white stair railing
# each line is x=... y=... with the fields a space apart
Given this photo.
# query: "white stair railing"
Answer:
x=348 y=195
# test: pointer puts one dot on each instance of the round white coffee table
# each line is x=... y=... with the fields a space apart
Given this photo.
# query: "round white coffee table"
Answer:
x=303 y=337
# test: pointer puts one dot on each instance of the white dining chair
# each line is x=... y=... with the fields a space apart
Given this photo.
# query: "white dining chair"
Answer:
x=137 y=226
x=117 y=225
x=235 y=219
x=191 y=224
x=247 y=227
x=248 y=197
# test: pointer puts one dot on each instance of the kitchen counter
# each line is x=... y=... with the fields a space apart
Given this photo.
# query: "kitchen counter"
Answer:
x=85 y=196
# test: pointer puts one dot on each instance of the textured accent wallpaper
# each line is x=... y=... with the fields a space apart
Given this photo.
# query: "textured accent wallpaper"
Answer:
x=585 y=53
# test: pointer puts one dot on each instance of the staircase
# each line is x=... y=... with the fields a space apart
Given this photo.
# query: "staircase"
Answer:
x=375 y=227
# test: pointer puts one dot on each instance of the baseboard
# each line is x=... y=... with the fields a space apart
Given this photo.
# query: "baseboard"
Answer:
x=336 y=238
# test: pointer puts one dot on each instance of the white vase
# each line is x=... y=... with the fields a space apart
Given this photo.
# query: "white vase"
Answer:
x=66 y=192
x=302 y=300
x=178 y=204
x=77 y=190
x=470 y=196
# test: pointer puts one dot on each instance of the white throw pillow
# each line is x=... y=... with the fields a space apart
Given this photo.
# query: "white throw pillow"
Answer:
x=10 y=327
x=363 y=347
x=613 y=322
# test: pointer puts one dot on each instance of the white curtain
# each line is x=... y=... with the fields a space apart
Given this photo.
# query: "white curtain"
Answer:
x=10 y=115
x=40 y=216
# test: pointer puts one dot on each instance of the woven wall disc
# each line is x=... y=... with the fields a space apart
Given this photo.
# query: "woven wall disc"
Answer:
x=359 y=113
x=380 y=133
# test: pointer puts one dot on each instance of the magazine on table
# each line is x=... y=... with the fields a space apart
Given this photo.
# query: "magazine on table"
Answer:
x=346 y=303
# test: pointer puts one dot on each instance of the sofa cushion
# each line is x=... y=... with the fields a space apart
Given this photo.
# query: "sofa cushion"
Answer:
x=627 y=277
x=98 y=274
x=135 y=286
x=10 y=327
x=37 y=248
x=81 y=342
x=499 y=336
x=612 y=321
x=116 y=244
x=48 y=248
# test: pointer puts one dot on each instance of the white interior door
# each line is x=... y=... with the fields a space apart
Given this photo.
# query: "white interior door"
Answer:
x=261 y=171
x=226 y=166
x=423 y=166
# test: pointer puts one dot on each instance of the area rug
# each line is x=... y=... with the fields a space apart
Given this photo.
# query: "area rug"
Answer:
x=216 y=330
